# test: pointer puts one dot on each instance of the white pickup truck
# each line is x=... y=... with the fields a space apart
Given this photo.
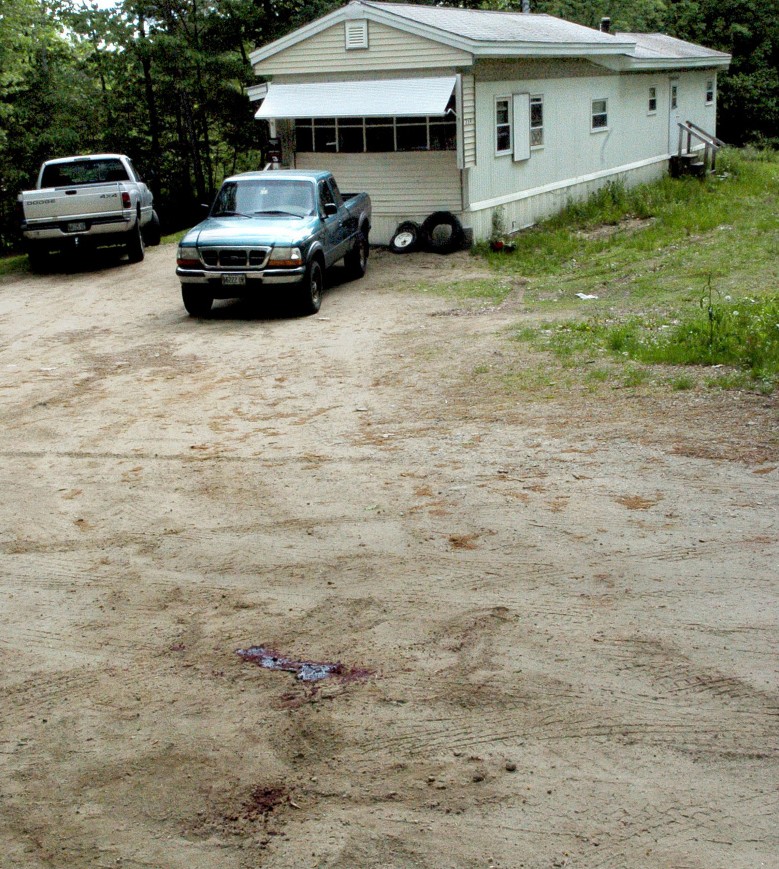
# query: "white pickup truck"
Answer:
x=85 y=202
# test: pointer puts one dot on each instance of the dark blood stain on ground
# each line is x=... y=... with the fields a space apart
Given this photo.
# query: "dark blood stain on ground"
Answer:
x=305 y=671
x=261 y=802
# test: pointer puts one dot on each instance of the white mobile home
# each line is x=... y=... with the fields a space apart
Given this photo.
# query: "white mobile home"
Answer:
x=440 y=109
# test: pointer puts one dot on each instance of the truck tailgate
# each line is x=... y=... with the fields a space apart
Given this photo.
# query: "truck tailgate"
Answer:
x=58 y=203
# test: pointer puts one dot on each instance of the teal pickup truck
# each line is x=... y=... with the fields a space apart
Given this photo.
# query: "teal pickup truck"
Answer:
x=273 y=229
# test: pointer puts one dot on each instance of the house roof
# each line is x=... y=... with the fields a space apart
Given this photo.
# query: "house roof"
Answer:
x=483 y=33
x=483 y=26
x=658 y=45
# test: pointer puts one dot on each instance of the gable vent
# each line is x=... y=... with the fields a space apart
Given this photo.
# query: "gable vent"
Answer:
x=356 y=34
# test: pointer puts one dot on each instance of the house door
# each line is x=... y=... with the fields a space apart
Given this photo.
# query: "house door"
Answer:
x=674 y=116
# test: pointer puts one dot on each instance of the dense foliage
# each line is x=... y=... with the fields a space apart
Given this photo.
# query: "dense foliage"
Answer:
x=164 y=80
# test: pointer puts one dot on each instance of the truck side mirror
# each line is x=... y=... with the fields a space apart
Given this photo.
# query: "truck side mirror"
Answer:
x=331 y=209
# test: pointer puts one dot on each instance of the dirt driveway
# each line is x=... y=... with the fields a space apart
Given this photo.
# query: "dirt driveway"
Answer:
x=556 y=619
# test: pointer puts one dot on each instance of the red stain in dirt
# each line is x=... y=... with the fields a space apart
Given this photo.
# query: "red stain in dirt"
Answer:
x=305 y=671
x=261 y=802
x=463 y=541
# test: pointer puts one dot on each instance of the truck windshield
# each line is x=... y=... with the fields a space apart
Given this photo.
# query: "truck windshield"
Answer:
x=83 y=172
x=260 y=196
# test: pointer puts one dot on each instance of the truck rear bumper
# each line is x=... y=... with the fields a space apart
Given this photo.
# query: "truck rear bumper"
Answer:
x=98 y=231
x=219 y=280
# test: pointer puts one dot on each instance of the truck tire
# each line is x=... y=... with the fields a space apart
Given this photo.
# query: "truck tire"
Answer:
x=356 y=261
x=197 y=303
x=443 y=233
x=37 y=258
x=152 y=234
x=311 y=287
x=135 y=246
x=406 y=237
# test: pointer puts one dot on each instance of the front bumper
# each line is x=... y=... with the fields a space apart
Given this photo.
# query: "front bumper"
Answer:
x=213 y=278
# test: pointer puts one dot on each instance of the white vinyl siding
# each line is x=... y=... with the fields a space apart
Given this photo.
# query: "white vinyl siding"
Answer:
x=468 y=121
x=570 y=150
x=402 y=183
x=388 y=49
x=521 y=118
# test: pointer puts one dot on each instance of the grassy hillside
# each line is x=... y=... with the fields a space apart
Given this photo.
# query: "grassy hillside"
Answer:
x=685 y=273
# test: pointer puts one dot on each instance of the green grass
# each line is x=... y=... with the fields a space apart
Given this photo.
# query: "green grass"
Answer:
x=691 y=230
x=174 y=238
x=742 y=335
x=11 y=265
x=686 y=273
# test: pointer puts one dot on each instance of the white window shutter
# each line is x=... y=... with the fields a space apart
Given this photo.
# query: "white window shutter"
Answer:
x=356 y=34
x=521 y=126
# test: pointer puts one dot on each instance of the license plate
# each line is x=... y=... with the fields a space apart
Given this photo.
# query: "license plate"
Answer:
x=77 y=226
x=233 y=280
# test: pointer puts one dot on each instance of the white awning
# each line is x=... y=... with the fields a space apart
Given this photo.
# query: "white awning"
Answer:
x=359 y=99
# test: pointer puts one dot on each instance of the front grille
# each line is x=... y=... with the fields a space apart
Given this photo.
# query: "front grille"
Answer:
x=234 y=257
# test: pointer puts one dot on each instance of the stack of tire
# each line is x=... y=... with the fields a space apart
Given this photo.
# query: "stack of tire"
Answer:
x=441 y=233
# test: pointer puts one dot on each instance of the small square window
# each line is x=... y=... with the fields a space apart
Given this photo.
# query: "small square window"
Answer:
x=502 y=126
x=709 y=92
x=600 y=115
x=652 y=100
x=536 y=122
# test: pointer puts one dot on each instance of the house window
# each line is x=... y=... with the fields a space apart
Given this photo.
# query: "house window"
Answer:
x=652 y=100
x=600 y=115
x=674 y=96
x=376 y=135
x=536 y=122
x=502 y=125
x=355 y=35
x=709 y=91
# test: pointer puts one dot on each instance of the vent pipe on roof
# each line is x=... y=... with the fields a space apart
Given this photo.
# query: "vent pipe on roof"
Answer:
x=605 y=25
x=526 y=6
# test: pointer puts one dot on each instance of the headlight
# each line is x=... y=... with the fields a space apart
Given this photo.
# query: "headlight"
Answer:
x=285 y=258
x=187 y=258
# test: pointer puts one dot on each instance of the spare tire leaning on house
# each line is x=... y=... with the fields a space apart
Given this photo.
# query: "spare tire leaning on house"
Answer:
x=406 y=237
x=442 y=232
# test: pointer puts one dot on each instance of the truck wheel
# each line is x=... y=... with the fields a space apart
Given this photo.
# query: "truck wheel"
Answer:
x=356 y=261
x=442 y=232
x=135 y=246
x=197 y=303
x=152 y=234
x=38 y=259
x=311 y=288
x=406 y=237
